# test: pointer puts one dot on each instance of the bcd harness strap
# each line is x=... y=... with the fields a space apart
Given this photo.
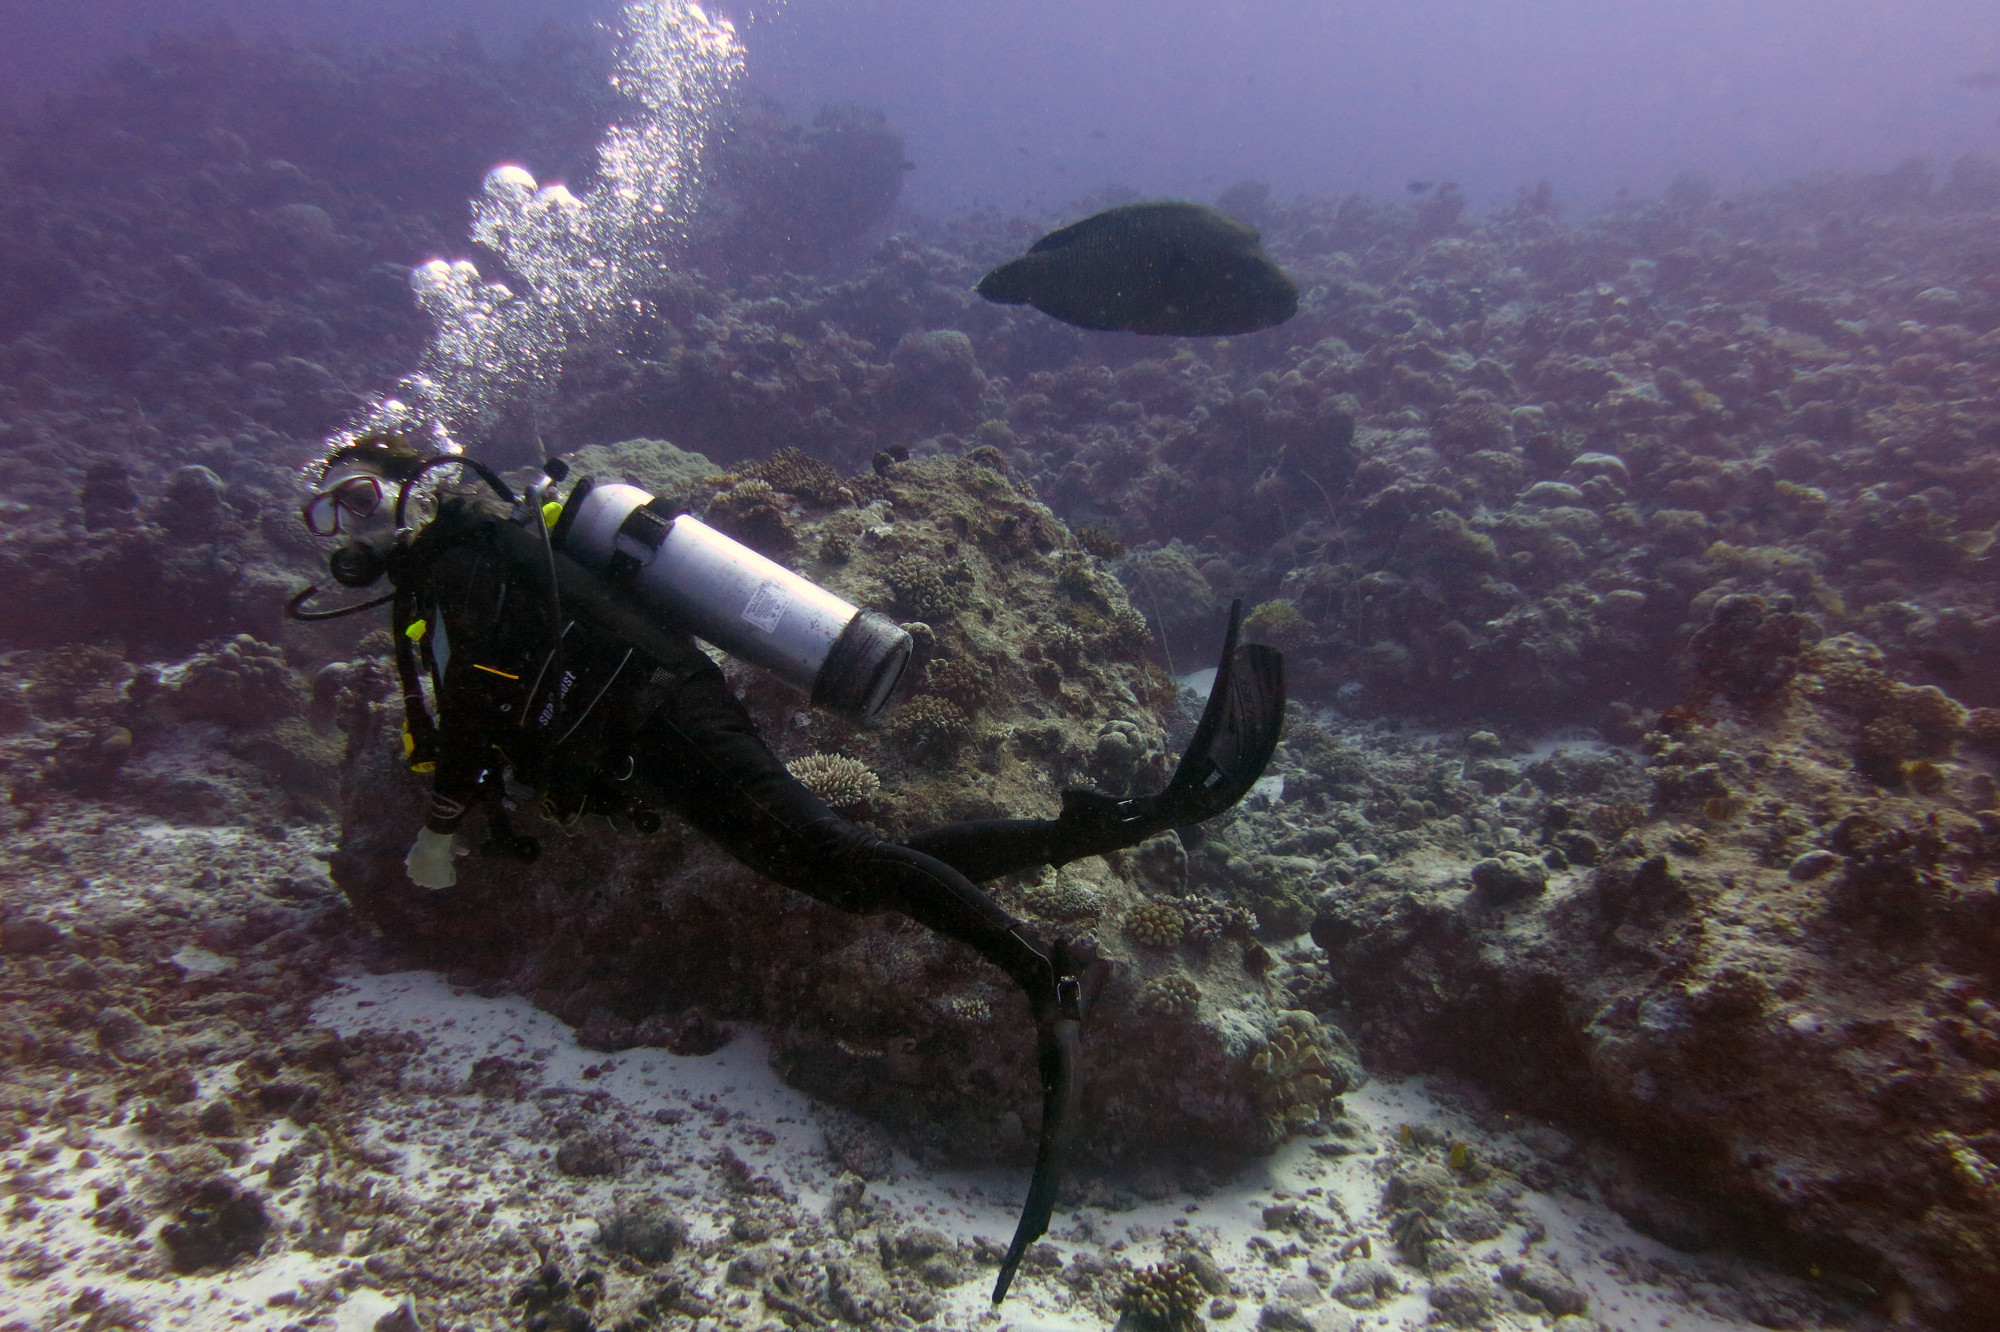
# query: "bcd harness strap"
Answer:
x=646 y=527
x=417 y=721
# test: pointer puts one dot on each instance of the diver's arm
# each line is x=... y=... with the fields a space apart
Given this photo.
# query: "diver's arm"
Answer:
x=461 y=758
x=456 y=782
x=454 y=786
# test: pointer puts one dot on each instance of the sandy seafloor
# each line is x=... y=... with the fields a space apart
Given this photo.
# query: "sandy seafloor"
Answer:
x=436 y=1139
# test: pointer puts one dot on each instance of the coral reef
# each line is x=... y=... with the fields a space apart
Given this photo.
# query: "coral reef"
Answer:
x=931 y=725
x=1165 y=1297
x=240 y=683
x=1714 y=477
x=841 y=781
x=1169 y=996
x=1156 y=924
x=1723 y=989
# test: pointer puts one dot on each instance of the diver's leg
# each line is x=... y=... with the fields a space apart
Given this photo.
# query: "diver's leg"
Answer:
x=1232 y=744
x=983 y=849
x=1090 y=825
x=701 y=751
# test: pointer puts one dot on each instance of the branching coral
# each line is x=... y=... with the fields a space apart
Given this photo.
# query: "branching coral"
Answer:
x=67 y=673
x=1078 y=578
x=752 y=512
x=927 y=591
x=1749 y=650
x=241 y=683
x=1279 y=622
x=1932 y=714
x=1851 y=678
x=1099 y=541
x=968 y=1008
x=963 y=680
x=1887 y=739
x=1169 y=584
x=1061 y=644
x=1899 y=722
x=1063 y=899
x=1126 y=634
x=796 y=473
x=841 y=781
x=1210 y=919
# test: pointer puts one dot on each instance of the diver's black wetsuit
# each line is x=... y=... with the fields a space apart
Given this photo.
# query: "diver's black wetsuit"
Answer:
x=541 y=668
x=586 y=699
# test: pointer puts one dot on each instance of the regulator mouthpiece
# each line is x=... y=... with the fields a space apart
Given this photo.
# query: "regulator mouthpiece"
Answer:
x=357 y=564
x=845 y=659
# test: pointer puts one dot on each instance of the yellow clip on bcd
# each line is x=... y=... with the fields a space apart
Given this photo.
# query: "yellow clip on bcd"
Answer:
x=409 y=748
x=417 y=629
x=550 y=512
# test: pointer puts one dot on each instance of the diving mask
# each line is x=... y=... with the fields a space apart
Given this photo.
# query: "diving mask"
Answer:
x=354 y=498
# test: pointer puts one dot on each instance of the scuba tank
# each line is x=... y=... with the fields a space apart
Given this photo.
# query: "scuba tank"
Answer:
x=677 y=566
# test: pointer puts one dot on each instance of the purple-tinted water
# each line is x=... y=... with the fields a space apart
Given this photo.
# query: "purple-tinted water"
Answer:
x=1035 y=102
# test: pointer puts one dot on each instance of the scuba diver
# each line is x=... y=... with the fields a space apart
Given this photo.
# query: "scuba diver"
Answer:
x=556 y=642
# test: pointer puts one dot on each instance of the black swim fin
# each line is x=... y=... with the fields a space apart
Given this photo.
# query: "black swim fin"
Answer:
x=1237 y=734
x=1080 y=976
x=1233 y=741
x=1058 y=1058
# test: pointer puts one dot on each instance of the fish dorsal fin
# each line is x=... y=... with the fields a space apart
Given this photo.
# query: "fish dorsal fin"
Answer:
x=1114 y=224
x=1065 y=237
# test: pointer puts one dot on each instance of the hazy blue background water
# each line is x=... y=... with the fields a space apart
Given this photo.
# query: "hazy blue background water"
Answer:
x=1034 y=102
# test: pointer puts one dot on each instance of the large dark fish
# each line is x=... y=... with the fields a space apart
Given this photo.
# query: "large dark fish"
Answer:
x=1170 y=268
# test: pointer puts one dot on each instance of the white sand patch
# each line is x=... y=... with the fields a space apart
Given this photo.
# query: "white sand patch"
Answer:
x=776 y=1131
x=61 y=1268
x=678 y=1118
x=688 y=1131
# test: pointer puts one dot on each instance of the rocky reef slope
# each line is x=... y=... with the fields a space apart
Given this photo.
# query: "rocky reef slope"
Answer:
x=1715 y=478
x=1771 y=991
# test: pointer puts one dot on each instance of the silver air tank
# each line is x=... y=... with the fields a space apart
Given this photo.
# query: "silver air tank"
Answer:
x=752 y=608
